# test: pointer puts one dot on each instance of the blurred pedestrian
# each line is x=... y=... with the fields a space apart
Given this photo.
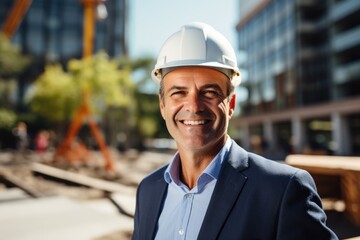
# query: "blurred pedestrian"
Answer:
x=21 y=135
x=42 y=141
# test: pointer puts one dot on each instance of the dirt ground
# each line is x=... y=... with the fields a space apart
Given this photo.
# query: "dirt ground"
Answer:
x=18 y=167
x=138 y=163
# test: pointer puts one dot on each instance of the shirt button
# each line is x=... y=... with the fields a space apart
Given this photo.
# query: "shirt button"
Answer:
x=181 y=232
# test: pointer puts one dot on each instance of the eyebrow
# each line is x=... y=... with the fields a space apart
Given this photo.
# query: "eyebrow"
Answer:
x=173 y=88
x=206 y=86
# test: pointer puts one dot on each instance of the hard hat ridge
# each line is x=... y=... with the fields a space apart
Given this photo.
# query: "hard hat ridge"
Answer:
x=197 y=44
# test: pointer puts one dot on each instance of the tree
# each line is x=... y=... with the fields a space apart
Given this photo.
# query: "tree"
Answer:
x=12 y=63
x=57 y=94
x=11 y=60
x=7 y=118
x=149 y=123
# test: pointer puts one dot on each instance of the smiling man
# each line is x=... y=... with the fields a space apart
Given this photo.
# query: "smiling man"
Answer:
x=196 y=107
x=212 y=188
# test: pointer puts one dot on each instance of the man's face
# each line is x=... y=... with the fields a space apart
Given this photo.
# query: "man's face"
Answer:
x=196 y=107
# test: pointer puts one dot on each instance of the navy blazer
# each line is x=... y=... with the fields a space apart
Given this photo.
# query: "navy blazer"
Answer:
x=254 y=198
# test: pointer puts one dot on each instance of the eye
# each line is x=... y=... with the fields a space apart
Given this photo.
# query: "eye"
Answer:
x=177 y=93
x=211 y=94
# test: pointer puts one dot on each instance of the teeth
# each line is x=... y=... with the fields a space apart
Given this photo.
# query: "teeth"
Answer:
x=186 y=122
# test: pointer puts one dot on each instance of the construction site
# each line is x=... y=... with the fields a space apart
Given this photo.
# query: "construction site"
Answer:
x=71 y=190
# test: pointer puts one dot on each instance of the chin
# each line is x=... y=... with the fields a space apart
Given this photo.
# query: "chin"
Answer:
x=196 y=146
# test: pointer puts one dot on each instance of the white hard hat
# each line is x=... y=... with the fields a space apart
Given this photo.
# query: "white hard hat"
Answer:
x=197 y=44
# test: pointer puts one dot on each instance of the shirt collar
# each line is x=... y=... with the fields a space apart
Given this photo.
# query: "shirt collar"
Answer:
x=211 y=172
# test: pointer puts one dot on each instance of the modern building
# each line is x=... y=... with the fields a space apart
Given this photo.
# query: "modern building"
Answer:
x=52 y=31
x=301 y=64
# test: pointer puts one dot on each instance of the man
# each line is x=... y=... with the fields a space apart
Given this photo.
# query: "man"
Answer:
x=214 y=189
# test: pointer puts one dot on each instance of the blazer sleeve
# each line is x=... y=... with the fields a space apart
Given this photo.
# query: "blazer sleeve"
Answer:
x=301 y=214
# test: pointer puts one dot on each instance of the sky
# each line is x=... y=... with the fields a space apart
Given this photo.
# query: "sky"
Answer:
x=153 y=21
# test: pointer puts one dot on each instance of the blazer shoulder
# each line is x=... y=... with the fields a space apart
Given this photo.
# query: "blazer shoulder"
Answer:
x=272 y=172
x=271 y=165
x=244 y=161
x=250 y=164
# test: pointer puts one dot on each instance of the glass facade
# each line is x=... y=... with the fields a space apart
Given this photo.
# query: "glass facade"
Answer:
x=52 y=31
x=345 y=46
x=268 y=40
x=300 y=53
x=302 y=75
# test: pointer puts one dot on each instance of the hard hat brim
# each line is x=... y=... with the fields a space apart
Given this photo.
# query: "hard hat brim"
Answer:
x=233 y=74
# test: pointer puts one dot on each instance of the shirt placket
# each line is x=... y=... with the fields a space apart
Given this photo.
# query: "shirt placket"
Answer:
x=187 y=204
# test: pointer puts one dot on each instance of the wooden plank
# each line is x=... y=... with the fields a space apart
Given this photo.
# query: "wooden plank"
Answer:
x=346 y=168
x=14 y=181
x=353 y=238
x=80 y=179
x=324 y=163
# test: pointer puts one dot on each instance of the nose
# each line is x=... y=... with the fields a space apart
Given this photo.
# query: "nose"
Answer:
x=194 y=104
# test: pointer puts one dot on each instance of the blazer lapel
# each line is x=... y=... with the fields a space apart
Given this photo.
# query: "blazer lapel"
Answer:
x=226 y=192
x=153 y=206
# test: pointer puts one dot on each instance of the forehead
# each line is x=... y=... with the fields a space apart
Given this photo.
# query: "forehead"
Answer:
x=196 y=75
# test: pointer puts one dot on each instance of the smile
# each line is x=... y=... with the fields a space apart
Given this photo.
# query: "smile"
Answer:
x=194 y=123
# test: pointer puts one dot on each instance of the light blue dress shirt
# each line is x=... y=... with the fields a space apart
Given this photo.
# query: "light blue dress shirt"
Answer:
x=184 y=209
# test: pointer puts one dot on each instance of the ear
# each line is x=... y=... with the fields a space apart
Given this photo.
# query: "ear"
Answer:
x=161 y=104
x=232 y=104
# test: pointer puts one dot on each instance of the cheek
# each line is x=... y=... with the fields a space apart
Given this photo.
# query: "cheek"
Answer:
x=169 y=110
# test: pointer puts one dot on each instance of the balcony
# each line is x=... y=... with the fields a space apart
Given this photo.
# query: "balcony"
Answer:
x=346 y=40
x=343 y=9
x=307 y=27
x=306 y=3
x=312 y=27
x=347 y=72
x=310 y=52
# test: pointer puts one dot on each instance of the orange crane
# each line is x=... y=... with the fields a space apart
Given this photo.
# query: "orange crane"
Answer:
x=67 y=149
x=15 y=17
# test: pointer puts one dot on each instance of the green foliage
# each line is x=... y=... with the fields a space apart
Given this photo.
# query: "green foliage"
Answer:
x=148 y=126
x=53 y=95
x=12 y=63
x=56 y=94
x=7 y=118
x=150 y=122
x=8 y=89
x=11 y=60
x=108 y=85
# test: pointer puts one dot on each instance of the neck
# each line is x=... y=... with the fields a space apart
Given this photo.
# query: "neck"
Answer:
x=191 y=168
x=193 y=163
